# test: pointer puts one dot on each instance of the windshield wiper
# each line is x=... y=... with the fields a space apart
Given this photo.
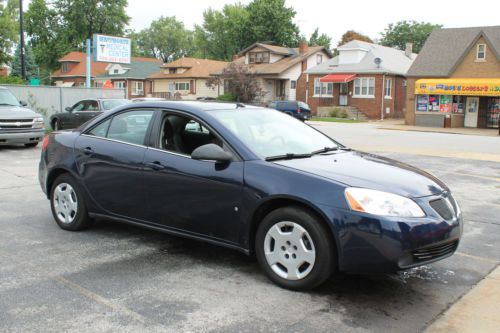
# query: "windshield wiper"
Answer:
x=288 y=156
x=324 y=150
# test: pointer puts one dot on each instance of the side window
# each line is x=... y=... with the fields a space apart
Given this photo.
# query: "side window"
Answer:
x=100 y=130
x=79 y=106
x=183 y=135
x=130 y=126
x=92 y=106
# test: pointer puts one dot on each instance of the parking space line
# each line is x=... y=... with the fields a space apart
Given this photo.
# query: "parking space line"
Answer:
x=99 y=299
x=474 y=175
x=492 y=261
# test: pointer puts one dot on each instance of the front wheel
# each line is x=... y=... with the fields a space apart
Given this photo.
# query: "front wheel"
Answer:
x=295 y=249
x=67 y=203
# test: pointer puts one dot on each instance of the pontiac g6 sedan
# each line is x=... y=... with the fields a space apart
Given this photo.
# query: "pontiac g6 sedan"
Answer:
x=251 y=179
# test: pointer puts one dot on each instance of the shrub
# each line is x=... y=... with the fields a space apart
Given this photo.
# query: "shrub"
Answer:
x=227 y=97
x=11 y=80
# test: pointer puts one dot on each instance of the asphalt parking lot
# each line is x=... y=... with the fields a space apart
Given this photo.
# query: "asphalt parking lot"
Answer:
x=115 y=277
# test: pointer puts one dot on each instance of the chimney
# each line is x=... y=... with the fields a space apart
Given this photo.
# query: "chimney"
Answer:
x=409 y=50
x=303 y=47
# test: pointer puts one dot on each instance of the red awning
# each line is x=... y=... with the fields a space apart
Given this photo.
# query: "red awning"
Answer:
x=338 y=78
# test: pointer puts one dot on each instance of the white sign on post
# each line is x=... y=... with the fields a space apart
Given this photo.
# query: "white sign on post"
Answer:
x=112 y=49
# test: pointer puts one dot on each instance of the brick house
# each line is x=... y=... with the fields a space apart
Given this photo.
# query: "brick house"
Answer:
x=186 y=78
x=455 y=81
x=363 y=76
x=279 y=69
x=132 y=77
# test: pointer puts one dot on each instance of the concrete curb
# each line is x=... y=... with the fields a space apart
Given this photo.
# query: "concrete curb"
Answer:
x=477 y=311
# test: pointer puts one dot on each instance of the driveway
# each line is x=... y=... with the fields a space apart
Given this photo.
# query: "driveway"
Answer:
x=115 y=277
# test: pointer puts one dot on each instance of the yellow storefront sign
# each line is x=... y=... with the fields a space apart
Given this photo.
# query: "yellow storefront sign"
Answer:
x=464 y=87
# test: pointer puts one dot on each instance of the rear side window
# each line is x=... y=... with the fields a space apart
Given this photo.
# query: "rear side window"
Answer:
x=130 y=127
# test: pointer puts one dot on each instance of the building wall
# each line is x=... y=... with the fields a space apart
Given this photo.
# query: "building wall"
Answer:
x=162 y=85
x=291 y=74
x=371 y=107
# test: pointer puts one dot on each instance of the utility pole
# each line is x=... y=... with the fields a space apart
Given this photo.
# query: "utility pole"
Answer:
x=21 y=32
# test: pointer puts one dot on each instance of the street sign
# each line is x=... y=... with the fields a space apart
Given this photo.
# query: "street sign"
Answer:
x=112 y=49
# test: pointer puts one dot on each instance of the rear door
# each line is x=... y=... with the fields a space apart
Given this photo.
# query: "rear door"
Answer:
x=89 y=111
x=110 y=162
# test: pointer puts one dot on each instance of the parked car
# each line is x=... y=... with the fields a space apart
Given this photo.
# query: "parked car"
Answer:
x=254 y=180
x=83 y=111
x=18 y=124
x=207 y=98
x=297 y=109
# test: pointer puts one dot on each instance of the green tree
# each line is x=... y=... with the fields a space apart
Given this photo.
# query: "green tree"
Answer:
x=57 y=27
x=398 y=34
x=351 y=35
x=166 y=39
x=272 y=21
x=223 y=33
x=9 y=28
x=320 y=40
x=29 y=60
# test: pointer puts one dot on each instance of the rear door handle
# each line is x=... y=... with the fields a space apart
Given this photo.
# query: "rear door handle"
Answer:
x=155 y=165
x=88 y=151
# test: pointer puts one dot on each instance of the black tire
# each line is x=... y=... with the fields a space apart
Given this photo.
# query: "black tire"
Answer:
x=325 y=260
x=80 y=220
x=56 y=125
x=31 y=145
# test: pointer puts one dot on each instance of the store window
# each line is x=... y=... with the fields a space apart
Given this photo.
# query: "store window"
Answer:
x=388 y=88
x=493 y=113
x=481 y=52
x=422 y=103
x=433 y=103
x=458 y=104
x=364 y=87
x=323 y=88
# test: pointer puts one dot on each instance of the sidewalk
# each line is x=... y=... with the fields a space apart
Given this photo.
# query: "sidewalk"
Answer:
x=477 y=311
x=399 y=125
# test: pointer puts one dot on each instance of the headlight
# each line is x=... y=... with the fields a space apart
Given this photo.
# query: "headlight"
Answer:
x=381 y=203
x=38 y=123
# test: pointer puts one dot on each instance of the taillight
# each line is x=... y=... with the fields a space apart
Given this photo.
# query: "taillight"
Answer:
x=45 y=142
x=298 y=110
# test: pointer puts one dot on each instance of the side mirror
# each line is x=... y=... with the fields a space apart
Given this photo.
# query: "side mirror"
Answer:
x=69 y=109
x=211 y=152
x=23 y=103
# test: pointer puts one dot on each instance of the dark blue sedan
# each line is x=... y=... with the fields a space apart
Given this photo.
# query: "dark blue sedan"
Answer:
x=251 y=179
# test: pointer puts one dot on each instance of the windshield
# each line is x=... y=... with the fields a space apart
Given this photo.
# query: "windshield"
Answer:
x=113 y=103
x=6 y=98
x=270 y=133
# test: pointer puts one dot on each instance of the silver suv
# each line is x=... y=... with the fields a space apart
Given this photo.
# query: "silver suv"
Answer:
x=18 y=124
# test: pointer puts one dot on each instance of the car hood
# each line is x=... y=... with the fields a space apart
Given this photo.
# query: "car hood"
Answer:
x=16 y=112
x=364 y=170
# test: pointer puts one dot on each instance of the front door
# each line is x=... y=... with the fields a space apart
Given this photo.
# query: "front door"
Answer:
x=471 y=112
x=198 y=197
x=343 y=94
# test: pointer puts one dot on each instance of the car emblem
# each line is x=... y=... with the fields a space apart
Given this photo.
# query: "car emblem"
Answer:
x=18 y=124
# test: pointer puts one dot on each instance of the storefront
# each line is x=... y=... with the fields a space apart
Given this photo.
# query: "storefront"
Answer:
x=457 y=102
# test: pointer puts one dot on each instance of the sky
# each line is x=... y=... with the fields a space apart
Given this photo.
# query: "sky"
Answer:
x=332 y=17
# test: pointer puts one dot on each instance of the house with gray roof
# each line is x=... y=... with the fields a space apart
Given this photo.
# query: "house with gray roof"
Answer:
x=455 y=81
x=366 y=77
x=133 y=76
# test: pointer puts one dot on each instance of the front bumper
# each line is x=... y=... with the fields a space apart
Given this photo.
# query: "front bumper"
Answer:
x=375 y=244
x=21 y=137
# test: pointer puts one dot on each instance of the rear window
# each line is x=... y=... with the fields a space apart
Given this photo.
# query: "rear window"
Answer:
x=304 y=106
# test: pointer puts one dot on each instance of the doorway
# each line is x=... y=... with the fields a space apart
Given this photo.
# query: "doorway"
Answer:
x=343 y=95
x=471 y=112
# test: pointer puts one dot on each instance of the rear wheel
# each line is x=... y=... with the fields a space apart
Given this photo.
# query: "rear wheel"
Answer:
x=295 y=249
x=31 y=145
x=67 y=203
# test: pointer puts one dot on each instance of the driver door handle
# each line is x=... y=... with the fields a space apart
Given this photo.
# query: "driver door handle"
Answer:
x=88 y=151
x=156 y=165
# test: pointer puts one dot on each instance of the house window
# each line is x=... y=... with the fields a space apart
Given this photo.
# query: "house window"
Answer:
x=182 y=86
x=481 y=52
x=65 y=67
x=364 y=87
x=319 y=59
x=293 y=84
x=116 y=71
x=172 y=70
x=388 y=88
x=323 y=88
x=119 y=84
x=138 y=88
x=258 y=57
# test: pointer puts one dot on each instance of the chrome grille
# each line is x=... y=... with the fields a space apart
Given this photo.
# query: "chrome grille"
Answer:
x=14 y=124
x=434 y=252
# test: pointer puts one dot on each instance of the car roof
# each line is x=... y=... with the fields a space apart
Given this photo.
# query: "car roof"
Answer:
x=195 y=105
